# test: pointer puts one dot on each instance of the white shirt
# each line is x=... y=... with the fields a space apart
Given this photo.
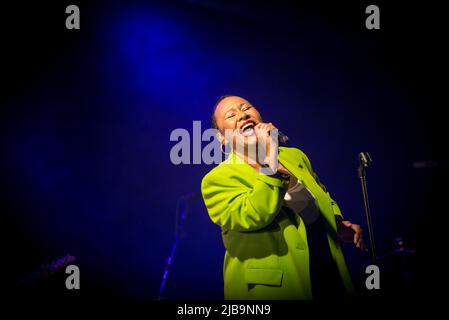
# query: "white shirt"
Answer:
x=302 y=202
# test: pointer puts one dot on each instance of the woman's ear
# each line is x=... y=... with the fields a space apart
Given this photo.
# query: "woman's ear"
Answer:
x=221 y=138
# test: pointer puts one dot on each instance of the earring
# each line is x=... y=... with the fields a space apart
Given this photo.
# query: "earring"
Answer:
x=223 y=151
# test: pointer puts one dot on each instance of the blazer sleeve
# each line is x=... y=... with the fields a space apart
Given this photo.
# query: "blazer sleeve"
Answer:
x=335 y=207
x=235 y=205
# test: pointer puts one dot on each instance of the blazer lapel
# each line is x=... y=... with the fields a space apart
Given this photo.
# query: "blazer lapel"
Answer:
x=295 y=165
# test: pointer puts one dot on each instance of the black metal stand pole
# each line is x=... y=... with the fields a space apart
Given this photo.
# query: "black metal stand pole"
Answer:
x=365 y=161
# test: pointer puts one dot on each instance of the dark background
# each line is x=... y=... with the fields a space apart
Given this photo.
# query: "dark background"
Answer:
x=86 y=117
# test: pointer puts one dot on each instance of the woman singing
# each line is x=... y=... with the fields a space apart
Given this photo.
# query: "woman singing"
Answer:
x=283 y=231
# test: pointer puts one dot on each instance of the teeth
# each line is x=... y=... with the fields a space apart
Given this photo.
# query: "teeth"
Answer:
x=246 y=126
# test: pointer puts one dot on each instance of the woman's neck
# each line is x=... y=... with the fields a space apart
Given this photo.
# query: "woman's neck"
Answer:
x=249 y=157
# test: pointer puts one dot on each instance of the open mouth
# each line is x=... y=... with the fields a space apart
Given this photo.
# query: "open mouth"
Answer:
x=247 y=129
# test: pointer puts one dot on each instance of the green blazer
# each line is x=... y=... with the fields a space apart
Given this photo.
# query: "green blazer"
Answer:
x=267 y=253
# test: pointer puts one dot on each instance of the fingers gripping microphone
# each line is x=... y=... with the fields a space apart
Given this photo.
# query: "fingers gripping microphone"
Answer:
x=282 y=138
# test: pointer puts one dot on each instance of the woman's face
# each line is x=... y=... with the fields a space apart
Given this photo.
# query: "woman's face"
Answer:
x=240 y=117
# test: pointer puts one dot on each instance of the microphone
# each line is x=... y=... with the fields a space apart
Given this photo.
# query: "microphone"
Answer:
x=282 y=138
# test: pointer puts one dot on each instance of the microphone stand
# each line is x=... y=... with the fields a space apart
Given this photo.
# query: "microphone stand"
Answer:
x=365 y=162
x=181 y=214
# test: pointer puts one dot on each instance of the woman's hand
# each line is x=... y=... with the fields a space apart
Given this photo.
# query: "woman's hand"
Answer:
x=351 y=232
x=267 y=142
